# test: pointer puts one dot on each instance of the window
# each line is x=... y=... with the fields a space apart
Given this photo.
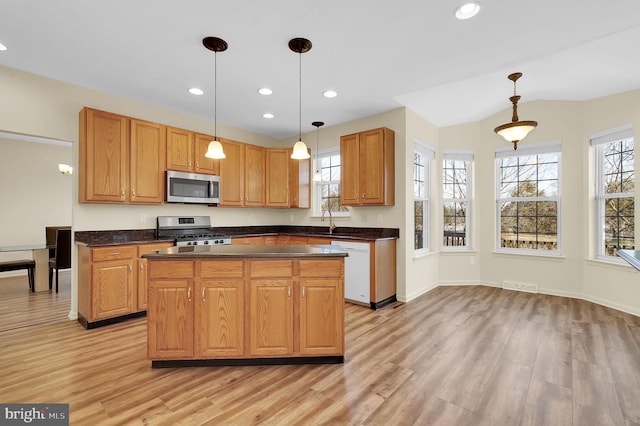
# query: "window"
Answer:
x=327 y=191
x=422 y=155
x=528 y=198
x=456 y=199
x=615 y=177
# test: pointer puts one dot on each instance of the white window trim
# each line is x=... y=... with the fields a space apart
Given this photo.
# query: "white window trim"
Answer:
x=429 y=153
x=529 y=149
x=597 y=141
x=316 y=192
x=468 y=158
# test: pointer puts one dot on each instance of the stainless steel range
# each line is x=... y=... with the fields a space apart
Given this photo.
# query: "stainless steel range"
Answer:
x=190 y=231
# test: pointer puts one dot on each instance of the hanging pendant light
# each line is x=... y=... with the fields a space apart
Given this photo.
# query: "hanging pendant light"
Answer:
x=516 y=130
x=300 y=45
x=317 y=176
x=216 y=45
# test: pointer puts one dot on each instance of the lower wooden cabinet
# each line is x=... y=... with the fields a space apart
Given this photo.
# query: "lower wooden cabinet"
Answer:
x=254 y=308
x=112 y=281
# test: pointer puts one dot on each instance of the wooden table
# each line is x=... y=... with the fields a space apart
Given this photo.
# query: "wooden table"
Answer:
x=41 y=256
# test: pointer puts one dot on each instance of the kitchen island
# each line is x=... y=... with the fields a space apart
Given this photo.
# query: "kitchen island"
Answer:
x=241 y=305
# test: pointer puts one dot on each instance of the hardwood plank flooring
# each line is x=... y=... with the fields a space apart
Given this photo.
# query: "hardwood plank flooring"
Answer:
x=455 y=356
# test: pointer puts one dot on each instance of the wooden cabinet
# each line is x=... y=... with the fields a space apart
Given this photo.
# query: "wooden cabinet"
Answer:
x=185 y=152
x=287 y=180
x=112 y=282
x=232 y=174
x=368 y=171
x=112 y=285
x=321 y=307
x=121 y=159
x=254 y=174
x=252 y=308
x=141 y=301
x=219 y=312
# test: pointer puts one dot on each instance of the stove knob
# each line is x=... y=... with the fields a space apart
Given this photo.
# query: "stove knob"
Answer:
x=206 y=242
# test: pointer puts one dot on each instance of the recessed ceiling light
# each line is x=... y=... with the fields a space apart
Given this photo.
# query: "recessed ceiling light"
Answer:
x=467 y=10
x=330 y=94
x=3 y=47
x=268 y=115
x=265 y=91
x=196 y=91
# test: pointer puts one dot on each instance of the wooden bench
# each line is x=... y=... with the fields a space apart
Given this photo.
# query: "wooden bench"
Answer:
x=16 y=265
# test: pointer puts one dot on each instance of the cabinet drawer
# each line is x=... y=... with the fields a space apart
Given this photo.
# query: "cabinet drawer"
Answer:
x=221 y=268
x=148 y=248
x=321 y=268
x=271 y=268
x=112 y=253
x=171 y=269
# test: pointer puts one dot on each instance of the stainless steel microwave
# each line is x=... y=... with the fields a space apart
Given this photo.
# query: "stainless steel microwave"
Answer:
x=192 y=188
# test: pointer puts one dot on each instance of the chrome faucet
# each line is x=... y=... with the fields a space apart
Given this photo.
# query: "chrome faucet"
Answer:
x=332 y=225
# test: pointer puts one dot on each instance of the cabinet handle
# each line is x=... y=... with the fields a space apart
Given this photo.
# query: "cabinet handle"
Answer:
x=133 y=193
x=197 y=163
x=130 y=268
x=189 y=163
x=289 y=292
x=141 y=266
x=189 y=294
x=363 y=196
x=114 y=253
x=121 y=193
x=303 y=292
x=203 y=294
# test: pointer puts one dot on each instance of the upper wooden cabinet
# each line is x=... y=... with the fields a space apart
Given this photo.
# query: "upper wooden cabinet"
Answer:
x=121 y=159
x=287 y=180
x=254 y=175
x=368 y=172
x=242 y=174
x=185 y=152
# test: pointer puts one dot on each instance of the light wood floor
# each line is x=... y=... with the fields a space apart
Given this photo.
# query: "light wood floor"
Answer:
x=455 y=356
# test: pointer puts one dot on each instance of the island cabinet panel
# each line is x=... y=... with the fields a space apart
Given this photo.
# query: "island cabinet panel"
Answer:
x=271 y=312
x=219 y=318
x=321 y=316
x=170 y=319
x=141 y=302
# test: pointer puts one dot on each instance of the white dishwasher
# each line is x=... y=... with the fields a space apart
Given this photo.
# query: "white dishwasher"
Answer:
x=356 y=271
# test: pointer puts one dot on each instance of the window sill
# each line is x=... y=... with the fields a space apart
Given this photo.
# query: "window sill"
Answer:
x=423 y=254
x=610 y=264
x=462 y=252
x=532 y=256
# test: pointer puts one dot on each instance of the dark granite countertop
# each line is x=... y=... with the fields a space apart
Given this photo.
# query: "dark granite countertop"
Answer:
x=145 y=236
x=246 y=252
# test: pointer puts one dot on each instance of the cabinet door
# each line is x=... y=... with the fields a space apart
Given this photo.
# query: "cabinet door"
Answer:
x=112 y=289
x=141 y=300
x=147 y=165
x=232 y=174
x=350 y=170
x=170 y=319
x=300 y=183
x=277 y=178
x=219 y=317
x=321 y=317
x=372 y=189
x=103 y=157
x=203 y=164
x=179 y=150
x=254 y=170
x=271 y=312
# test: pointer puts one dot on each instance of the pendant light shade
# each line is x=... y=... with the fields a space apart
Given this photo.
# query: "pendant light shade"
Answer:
x=216 y=45
x=517 y=130
x=300 y=46
x=317 y=176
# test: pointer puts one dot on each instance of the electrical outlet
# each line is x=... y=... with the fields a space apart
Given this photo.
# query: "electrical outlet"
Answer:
x=380 y=218
x=143 y=217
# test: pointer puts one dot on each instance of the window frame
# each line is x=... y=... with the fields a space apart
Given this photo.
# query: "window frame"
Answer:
x=428 y=152
x=317 y=186
x=540 y=148
x=598 y=141
x=468 y=158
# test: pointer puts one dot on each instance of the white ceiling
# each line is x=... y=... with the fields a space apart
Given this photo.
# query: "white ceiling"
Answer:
x=378 y=54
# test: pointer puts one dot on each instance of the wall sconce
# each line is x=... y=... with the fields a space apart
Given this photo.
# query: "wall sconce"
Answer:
x=65 y=169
